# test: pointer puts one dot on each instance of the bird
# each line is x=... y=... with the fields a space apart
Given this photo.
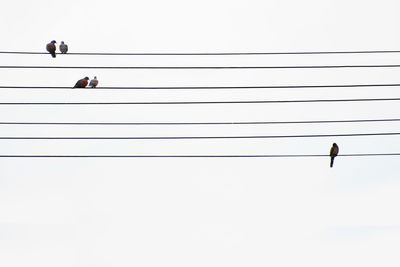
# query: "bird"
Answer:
x=334 y=152
x=81 y=83
x=63 y=48
x=94 y=82
x=51 y=48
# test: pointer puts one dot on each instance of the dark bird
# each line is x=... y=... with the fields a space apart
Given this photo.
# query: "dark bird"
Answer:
x=94 y=82
x=334 y=152
x=51 y=48
x=63 y=48
x=81 y=83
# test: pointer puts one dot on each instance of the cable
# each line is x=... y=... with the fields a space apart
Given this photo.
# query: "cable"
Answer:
x=209 y=54
x=207 y=102
x=199 y=156
x=188 y=137
x=204 y=67
x=198 y=123
x=203 y=87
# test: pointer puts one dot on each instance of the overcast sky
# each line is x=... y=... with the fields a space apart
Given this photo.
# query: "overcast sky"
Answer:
x=208 y=211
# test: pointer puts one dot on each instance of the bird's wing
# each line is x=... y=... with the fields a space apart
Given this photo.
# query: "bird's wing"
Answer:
x=332 y=152
x=94 y=82
x=50 y=47
x=78 y=83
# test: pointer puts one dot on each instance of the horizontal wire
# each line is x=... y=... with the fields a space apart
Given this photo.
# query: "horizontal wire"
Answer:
x=204 y=87
x=189 y=137
x=205 y=67
x=199 y=123
x=208 y=53
x=207 y=102
x=200 y=156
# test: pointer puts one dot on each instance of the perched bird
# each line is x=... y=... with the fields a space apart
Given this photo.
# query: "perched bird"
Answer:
x=51 y=48
x=94 y=82
x=63 y=48
x=334 y=152
x=81 y=83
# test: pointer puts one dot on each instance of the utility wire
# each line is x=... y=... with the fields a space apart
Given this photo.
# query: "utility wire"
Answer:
x=198 y=123
x=189 y=137
x=207 y=102
x=208 y=53
x=200 y=156
x=206 y=67
x=204 y=87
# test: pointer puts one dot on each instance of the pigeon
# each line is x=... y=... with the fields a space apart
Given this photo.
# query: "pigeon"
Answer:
x=63 y=48
x=81 y=83
x=51 y=48
x=94 y=82
x=334 y=152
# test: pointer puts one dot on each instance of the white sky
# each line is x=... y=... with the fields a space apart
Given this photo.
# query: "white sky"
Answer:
x=199 y=212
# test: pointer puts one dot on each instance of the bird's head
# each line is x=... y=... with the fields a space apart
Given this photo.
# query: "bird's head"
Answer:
x=53 y=42
x=86 y=78
x=334 y=144
x=95 y=77
x=62 y=42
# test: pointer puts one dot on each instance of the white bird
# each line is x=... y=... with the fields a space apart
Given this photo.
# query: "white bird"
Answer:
x=94 y=82
x=63 y=48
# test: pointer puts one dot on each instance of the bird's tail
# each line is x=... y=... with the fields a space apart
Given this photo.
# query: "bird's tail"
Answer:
x=332 y=158
x=53 y=54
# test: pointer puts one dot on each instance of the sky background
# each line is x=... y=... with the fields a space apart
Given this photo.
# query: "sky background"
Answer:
x=199 y=212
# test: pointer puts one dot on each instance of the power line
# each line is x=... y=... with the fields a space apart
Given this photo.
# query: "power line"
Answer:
x=208 y=53
x=204 y=87
x=200 y=156
x=199 y=123
x=208 y=102
x=190 y=137
x=205 y=67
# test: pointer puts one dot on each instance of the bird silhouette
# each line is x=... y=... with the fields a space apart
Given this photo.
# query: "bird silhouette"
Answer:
x=51 y=48
x=334 y=152
x=94 y=82
x=63 y=48
x=81 y=83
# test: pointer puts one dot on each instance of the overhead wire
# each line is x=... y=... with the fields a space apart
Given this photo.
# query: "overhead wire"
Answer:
x=192 y=137
x=204 y=87
x=204 y=102
x=198 y=123
x=200 y=156
x=204 y=67
x=208 y=102
x=206 y=53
